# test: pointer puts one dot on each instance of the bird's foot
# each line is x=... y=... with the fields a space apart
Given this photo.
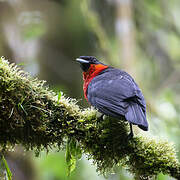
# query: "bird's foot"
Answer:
x=100 y=117
x=131 y=134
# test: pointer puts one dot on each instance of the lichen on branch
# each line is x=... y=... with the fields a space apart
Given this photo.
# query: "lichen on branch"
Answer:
x=38 y=118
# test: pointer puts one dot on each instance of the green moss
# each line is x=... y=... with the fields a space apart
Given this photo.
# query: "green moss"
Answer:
x=37 y=118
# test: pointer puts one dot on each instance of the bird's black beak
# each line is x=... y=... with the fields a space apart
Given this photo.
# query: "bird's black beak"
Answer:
x=82 y=61
x=84 y=64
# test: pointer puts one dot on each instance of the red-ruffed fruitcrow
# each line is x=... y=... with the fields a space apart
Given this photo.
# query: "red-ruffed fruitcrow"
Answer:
x=113 y=92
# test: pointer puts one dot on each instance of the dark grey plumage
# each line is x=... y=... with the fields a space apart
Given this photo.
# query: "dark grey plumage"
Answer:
x=114 y=92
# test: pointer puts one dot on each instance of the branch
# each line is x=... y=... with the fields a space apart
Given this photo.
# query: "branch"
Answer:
x=37 y=118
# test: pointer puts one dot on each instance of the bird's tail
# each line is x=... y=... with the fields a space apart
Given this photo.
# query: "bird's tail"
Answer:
x=137 y=116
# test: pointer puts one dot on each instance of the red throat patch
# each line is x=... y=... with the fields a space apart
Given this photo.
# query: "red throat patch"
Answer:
x=93 y=71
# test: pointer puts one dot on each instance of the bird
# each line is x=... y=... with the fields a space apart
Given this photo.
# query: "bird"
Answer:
x=113 y=92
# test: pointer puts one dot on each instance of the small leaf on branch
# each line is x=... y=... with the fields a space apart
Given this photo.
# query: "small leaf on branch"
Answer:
x=73 y=153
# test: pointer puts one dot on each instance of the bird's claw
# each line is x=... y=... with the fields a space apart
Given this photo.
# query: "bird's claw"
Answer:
x=100 y=117
x=130 y=136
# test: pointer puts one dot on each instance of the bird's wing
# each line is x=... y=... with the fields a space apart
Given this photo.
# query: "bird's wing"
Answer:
x=113 y=91
x=109 y=92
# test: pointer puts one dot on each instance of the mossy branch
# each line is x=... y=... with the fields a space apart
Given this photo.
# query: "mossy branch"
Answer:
x=37 y=118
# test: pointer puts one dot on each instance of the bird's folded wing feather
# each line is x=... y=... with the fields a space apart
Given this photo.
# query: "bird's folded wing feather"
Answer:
x=111 y=92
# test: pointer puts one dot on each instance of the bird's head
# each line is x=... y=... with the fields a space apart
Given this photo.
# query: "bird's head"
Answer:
x=91 y=68
x=88 y=61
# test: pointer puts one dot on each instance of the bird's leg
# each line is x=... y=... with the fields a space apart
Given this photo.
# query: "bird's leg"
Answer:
x=131 y=134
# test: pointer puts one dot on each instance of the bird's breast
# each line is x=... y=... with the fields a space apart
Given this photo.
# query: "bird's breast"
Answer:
x=92 y=73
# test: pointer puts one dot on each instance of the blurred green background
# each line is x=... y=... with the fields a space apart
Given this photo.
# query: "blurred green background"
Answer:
x=141 y=37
